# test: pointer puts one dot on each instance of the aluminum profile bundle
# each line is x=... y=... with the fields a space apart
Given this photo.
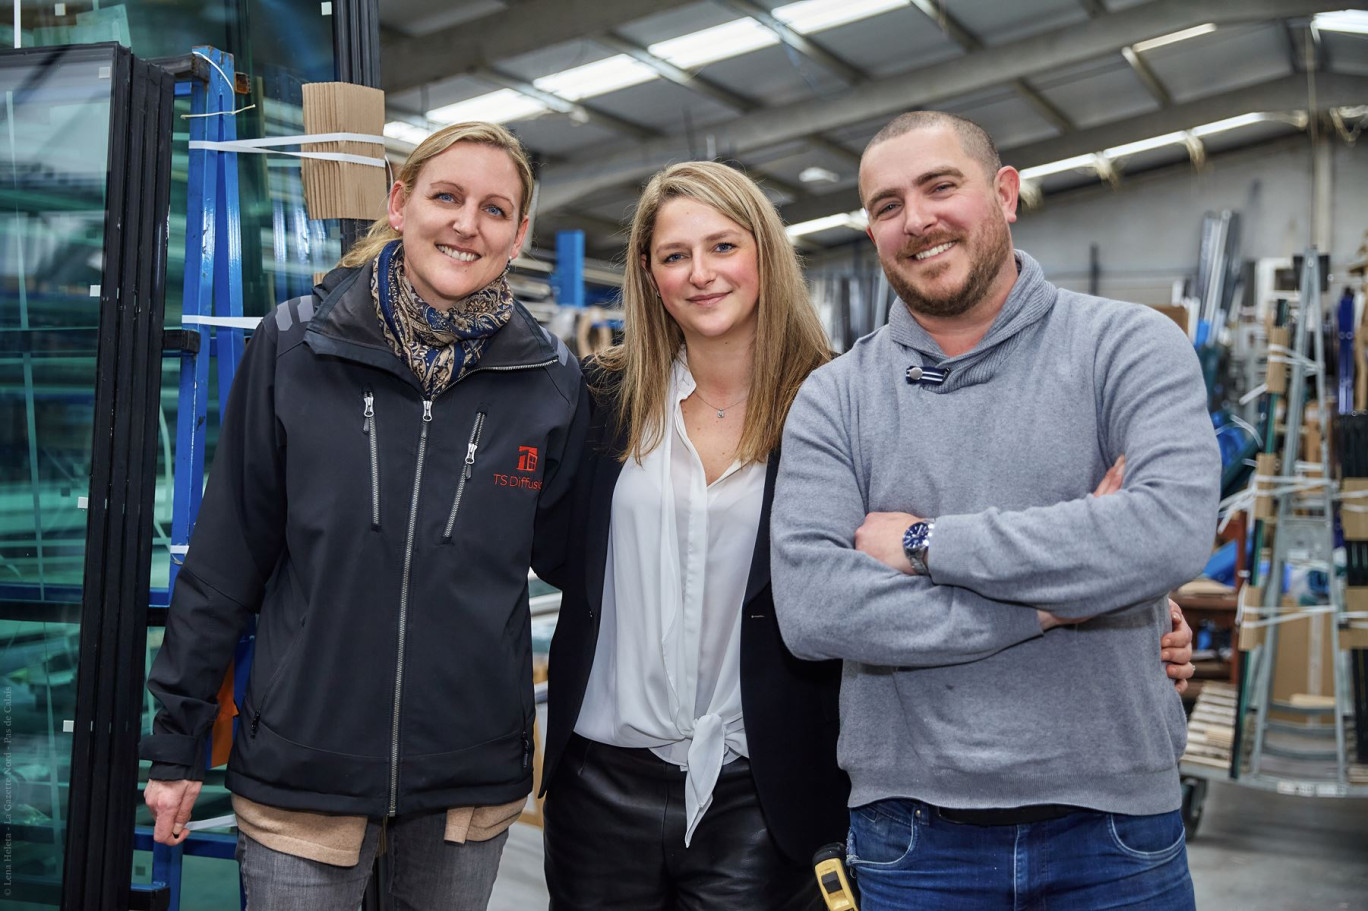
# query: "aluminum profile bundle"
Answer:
x=1218 y=273
x=852 y=304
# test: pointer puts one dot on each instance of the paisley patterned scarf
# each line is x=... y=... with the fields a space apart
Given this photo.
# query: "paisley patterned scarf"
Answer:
x=440 y=346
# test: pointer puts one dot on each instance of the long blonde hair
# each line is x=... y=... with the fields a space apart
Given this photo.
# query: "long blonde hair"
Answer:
x=789 y=340
x=490 y=134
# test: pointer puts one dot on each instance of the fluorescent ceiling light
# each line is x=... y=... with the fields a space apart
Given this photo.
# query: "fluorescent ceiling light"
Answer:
x=1205 y=28
x=730 y=39
x=597 y=78
x=497 y=107
x=1230 y=123
x=854 y=220
x=814 y=174
x=1078 y=162
x=405 y=132
x=809 y=16
x=1353 y=21
x=1145 y=145
x=697 y=49
x=1097 y=160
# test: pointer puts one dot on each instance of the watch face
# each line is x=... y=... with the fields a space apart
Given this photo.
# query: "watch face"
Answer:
x=915 y=536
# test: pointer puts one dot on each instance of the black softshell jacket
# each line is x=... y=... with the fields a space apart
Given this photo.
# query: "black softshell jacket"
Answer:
x=384 y=541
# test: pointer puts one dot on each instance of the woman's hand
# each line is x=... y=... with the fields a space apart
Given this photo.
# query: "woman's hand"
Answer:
x=171 y=803
x=1111 y=481
x=1177 y=649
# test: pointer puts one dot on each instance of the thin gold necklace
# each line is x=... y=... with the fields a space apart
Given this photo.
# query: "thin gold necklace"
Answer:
x=721 y=412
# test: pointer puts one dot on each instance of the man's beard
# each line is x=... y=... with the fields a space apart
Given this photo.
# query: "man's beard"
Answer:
x=990 y=249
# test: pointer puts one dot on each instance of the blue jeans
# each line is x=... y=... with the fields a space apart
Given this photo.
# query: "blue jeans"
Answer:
x=904 y=855
x=425 y=872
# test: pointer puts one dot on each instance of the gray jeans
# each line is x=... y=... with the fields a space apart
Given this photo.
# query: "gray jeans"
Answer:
x=426 y=873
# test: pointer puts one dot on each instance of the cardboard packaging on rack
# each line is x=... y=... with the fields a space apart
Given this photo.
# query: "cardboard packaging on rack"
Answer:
x=337 y=189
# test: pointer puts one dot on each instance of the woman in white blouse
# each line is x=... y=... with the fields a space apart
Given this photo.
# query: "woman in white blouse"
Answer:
x=690 y=758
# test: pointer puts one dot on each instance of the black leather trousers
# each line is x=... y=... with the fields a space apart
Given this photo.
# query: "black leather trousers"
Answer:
x=615 y=840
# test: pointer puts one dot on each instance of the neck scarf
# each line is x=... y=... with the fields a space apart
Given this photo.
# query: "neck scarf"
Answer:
x=440 y=346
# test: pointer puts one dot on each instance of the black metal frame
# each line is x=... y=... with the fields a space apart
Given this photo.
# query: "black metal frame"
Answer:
x=356 y=59
x=109 y=683
x=356 y=41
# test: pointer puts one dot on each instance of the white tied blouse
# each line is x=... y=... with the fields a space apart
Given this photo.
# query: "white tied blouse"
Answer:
x=666 y=671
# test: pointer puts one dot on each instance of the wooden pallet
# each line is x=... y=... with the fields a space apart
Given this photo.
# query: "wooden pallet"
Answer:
x=1211 y=726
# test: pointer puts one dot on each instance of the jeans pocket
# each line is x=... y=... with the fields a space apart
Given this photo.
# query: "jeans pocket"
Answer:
x=1153 y=838
x=881 y=835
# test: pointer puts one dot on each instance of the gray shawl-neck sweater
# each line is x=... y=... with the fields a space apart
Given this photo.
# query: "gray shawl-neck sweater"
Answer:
x=951 y=694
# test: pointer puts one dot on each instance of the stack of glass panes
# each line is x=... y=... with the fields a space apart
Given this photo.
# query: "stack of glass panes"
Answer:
x=84 y=195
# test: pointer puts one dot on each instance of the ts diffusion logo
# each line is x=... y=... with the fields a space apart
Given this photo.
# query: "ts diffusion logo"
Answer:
x=527 y=464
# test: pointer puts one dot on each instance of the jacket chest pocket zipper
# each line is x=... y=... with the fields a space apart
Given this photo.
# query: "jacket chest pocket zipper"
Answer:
x=466 y=470
x=369 y=429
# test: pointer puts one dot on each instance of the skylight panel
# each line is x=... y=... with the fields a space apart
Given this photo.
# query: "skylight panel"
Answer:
x=502 y=106
x=730 y=39
x=809 y=16
x=691 y=51
x=597 y=78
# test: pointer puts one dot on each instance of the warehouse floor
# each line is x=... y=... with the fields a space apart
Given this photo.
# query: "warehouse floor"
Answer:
x=1254 y=851
x=1260 y=851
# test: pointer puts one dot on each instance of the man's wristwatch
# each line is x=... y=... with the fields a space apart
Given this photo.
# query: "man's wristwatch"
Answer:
x=915 y=540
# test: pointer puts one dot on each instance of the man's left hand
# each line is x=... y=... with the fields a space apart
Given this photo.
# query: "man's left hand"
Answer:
x=1177 y=649
x=881 y=536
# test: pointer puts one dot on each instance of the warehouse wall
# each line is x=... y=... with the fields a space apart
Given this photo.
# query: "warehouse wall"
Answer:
x=1148 y=230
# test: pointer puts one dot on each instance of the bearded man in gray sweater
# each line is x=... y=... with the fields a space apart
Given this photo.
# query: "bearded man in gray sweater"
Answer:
x=1010 y=740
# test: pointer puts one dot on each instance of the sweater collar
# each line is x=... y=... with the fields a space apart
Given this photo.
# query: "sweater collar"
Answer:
x=1030 y=299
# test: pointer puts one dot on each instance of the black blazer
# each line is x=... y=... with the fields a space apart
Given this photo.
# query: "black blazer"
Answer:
x=790 y=706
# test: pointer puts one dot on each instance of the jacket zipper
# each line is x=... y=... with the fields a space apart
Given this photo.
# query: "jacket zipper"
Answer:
x=511 y=367
x=466 y=471
x=403 y=609
x=408 y=561
x=369 y=429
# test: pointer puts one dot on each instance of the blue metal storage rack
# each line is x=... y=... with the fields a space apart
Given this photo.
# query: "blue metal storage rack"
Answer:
x=212 y=308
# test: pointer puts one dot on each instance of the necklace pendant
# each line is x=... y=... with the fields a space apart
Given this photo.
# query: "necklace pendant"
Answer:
x=721 y=413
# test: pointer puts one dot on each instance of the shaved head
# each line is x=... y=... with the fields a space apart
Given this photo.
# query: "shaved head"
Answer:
x=975 y=141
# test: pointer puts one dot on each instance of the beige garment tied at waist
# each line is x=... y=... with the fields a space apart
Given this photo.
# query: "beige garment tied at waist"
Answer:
x=336 y=840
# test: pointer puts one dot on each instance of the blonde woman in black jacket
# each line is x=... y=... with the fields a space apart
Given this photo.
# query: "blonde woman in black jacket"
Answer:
x=391 y=444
